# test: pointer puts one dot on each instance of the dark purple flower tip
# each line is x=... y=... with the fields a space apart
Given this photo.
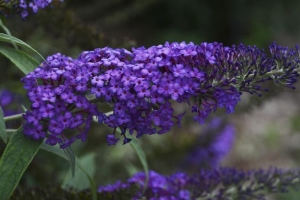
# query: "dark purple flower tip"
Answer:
x=53 y=140
x=82 y=137
x=179 y=117
x=111 y=139
x=101 y=118
x=67 y=143
x=126 y=140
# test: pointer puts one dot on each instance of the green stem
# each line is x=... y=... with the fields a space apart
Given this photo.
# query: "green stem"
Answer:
x=20 y=116
x=13 y=117
x=278 y=71
x=11 y=130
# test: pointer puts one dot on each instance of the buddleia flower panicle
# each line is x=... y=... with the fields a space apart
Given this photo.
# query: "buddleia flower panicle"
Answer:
x=219 y=184
x=141 y=84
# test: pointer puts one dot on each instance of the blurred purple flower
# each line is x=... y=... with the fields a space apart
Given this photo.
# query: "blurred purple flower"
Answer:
x=220 y=183
x=6 y=98
x=212 y=146
x=11 y=104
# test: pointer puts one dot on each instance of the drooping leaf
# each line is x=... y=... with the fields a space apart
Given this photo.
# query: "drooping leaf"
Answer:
x=6 y=30
x=66 y=153
x=3 y=134
x=141 y=155
x=10 y=39
x=55 y=150
x=85 y=169
x=22 y=60
x=71 y=156
x=17 y=155
x=88 y=170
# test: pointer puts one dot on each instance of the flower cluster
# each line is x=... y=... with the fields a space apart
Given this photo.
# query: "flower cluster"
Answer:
x=212 y=146
x=24 y=6
x=221 y=184
x=53 y=99
x=140 y=85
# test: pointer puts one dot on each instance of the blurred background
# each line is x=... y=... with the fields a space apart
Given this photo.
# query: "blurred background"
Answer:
x=267 y=129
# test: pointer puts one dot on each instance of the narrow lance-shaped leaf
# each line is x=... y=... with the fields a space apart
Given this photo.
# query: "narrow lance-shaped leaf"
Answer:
x=9 y=39
x=83 y=179
x=71 y=156
x=3 y=134
x=23 y=61
x=67 y=154
x=80 y=181
x=141 y=155
x=17 y=155
x=55 y=150
x=6 y=30
x=58 y=151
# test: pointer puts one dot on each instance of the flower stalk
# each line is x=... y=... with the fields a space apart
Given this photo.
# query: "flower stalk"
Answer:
x=13 y=117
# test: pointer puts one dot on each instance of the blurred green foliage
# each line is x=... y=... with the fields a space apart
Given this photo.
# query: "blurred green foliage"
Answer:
x=76 y=26
x=54 y=192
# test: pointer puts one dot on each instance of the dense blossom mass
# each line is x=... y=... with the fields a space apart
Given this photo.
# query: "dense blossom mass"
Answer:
x=140 y=85
x=24 y=6
x=221 y=184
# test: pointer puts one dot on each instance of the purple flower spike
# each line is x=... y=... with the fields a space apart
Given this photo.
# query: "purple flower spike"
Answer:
x=213 y=145
x=140 y=85
x=220 y=183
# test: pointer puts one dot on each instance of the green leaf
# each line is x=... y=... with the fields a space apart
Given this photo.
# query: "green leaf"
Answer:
x=86 y=161
x=71 y=157
x=55 y=150
x=83 y=178
x=141 y=155
x=87 y=167
x=3 y=134
x=66 y=153
x=9 y=39
x=6 y=30
x=17 y=155
x=23 y=61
